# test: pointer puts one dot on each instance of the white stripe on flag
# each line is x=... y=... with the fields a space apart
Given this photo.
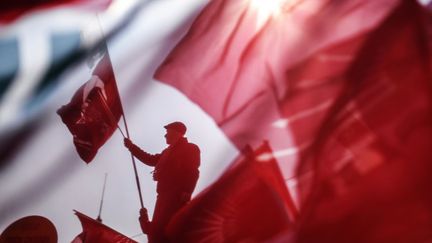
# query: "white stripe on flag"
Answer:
x=34 y=57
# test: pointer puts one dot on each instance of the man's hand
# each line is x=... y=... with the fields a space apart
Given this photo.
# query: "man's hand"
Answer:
x=144 y=215
x=144 y=221
x=128 y=143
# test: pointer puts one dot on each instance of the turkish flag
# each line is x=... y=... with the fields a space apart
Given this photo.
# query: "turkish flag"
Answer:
x=94 y=111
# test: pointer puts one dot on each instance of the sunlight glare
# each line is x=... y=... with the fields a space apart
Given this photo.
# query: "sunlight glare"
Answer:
x=268 y=7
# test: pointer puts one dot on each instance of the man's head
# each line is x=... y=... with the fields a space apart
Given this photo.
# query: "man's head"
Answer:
x=175 y=131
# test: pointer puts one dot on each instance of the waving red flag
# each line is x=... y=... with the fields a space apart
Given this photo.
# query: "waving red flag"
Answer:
x=248 y=203
x=371 y=160
x=95 y=231
x=94 y=111
x=349 y=96
x=234 y=61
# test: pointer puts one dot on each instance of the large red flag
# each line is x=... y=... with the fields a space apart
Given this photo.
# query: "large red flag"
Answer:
x=95 y=231
x=354 y=106
x=94 y=111
x=234 y=61
x=370 y=164
x=249 y=203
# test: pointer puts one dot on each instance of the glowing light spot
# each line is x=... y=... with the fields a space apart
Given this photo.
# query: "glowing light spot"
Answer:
x=293 y=151
x=119 y=7
x=267 y=9
x=268 y=6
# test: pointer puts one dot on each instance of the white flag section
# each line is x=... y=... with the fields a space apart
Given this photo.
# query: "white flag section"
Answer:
x=45 y=176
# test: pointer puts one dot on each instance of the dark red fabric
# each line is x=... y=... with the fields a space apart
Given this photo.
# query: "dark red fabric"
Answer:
x=94 y=111
x=12 y=10
x=94 y=231
x=34 y=229
x=249 y=203
x=355 y=113
x=370 y=162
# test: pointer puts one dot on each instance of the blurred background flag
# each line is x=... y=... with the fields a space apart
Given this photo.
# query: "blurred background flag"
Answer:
x=320 y=81
x=370 y=164
x=235 y=64
x=31 y=61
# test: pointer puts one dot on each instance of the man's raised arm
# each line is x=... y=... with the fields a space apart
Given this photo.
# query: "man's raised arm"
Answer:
x=146 y=158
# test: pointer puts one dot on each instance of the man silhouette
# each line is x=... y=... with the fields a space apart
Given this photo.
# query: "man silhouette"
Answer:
x=176 y=172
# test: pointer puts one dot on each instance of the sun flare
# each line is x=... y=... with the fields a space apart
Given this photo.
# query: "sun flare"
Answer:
x=267 y=9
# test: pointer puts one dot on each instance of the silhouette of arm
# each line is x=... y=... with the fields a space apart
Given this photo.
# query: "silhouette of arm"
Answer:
x=146 y=158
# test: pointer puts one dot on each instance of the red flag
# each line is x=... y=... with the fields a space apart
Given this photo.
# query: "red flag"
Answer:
x=95 y=231
x=94 y=111
x=248 y=203
x=234 y=61
x=371 y=160
x=356 y=108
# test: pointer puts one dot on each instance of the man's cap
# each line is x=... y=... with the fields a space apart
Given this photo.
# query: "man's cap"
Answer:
x=177 y=126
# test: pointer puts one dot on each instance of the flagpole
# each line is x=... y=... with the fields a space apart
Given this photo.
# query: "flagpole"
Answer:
x=102 y=198
x=125 y=123
x=133 y=159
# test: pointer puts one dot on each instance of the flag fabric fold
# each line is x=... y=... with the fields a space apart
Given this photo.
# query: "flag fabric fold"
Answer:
x=94 y=111
x=95 y=231
x=234 y=61
x=352 y=108
x=370 y=163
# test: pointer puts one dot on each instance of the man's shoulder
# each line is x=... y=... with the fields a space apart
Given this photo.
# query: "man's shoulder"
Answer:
x=184 y=145
x=192 y=145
